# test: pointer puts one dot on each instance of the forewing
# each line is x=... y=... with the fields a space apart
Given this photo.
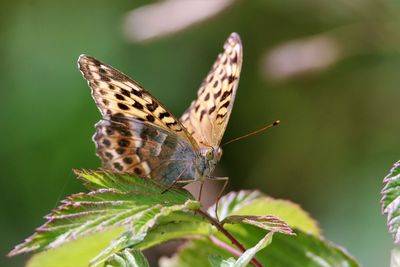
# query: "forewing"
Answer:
x=117 y=95
x=207 y=117
x=137 y=147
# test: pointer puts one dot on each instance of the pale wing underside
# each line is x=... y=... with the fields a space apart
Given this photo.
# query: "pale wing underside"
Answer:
x=117 y=95
x=137 y=147
x=207 y=117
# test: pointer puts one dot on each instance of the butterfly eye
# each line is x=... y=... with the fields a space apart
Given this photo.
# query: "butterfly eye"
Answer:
x=209 y=154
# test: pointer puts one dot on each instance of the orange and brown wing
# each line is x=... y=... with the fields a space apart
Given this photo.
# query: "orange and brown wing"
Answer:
x=207 y=117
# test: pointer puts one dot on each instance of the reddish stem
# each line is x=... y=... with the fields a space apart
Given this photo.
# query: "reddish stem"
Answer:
x=234 y=241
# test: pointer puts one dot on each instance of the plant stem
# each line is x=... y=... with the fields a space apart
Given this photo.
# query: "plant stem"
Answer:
x=234 y=241
x=225 y=246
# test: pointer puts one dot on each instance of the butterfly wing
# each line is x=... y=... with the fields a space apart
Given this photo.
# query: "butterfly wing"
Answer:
x=137 y=134
x=117 y=95
x=207 y=117
x=134 y=146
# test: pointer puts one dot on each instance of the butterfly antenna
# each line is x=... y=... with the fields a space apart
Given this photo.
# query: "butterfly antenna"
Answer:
x=253 y=132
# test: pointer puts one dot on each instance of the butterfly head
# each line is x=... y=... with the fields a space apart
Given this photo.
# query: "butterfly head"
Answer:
x=209 y=157
x=212 y=154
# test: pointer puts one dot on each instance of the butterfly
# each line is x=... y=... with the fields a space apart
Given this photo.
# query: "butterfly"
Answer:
x=138 y=135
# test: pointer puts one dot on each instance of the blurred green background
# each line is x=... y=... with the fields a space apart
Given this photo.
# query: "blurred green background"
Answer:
x=339 y=132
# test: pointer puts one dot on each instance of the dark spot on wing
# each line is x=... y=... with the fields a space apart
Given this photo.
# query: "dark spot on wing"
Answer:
x=118 y=166
x=104 y=78
x=235 y=58
x=137 y=171
x=123 y=130
x=119 y=97
x=171 y=123
x=226 y=104
x=123 y=106
x=109 y=131
x=202 y=114
x=225 y=95
x=118 y=117
x=163 y=115
x=125 y=92
x=151 y=107
x=231 y=79
x=217 y=94
x=211 y=110
x=106 y=142
x=136 y=92
x=128 y=160
x=137 y=105
x=120 y=151
x=123 y=142
x=150 y=118
x=95 y=61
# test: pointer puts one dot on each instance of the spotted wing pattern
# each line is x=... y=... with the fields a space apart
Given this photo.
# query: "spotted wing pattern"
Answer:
x=137 y=134
x=207 y=117
x=117 y=94
x=132 y=146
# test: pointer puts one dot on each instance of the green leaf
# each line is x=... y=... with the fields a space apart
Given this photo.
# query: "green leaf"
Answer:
x=247 y=202
x=391 y=201
x=134 y=203
x=272 y=224
x=218 y=261
x=395 y=258
x=302 y=250
x=307 y=248
x=75 y=253
x=194 y=253
x=233 y=202
x=269 y=223
x=178 y=228
x=127 y=258
x=250 y=253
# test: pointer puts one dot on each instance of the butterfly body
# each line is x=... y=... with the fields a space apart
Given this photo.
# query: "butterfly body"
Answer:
x=138 y=135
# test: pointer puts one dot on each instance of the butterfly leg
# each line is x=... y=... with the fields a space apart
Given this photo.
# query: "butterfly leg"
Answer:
x=201 y=190
x=226 y=180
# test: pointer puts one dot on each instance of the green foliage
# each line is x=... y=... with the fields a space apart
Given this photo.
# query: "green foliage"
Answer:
x=218 y=261
x=395 y=258
x=136 y=204
x=76 y=253
x=391 y=207
x=258 y=204
x=123 y=215
x=301 y=250
x=269 y=223
x=127 y=258
x=391 y=201
x=245 y=258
